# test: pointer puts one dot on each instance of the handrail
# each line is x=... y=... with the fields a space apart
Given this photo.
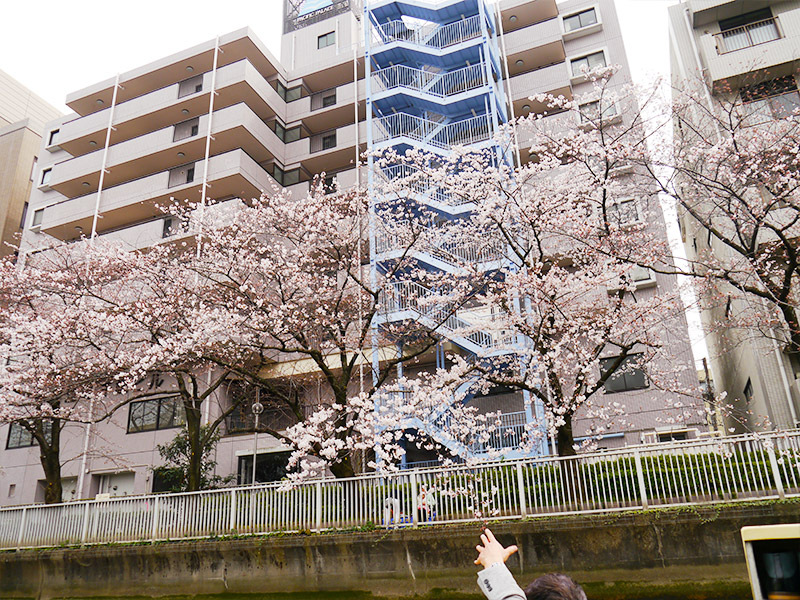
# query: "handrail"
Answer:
x=747 y=36
x=441 y=85
x=695 y=472
x=440 y=135
x=430 y=35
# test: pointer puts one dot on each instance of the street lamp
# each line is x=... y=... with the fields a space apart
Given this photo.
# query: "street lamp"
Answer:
x=257 y=409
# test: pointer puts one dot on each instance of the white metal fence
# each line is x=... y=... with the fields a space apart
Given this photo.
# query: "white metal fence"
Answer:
x=708 y=471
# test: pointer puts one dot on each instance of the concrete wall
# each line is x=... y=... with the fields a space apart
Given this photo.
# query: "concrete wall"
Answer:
x=655 y=550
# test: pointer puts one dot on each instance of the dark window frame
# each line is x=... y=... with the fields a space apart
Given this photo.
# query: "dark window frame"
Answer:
x=631 y=379
x=177 y=419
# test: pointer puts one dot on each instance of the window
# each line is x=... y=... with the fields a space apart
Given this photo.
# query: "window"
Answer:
x=748 y=391
x=285 y=178
x=272 y=466
x=329 y=100
x=673 y=436
x=591 y=111
x=628 y=376
x=775 y=99
x=53 y=135
x=186 y=129
x=288 y=94
x=749 y=29
x=642 y=277
x=190 y=86
x=580 y=20
x=329 y=184
x=190 y=175
x=329 y=141
x=325 y=40
x=45 y=176
x=38 y=216
x=285 y=135
x=592 y=61
x=24 y=214
x=159 y=413
x=19 y=437
x=624 y=212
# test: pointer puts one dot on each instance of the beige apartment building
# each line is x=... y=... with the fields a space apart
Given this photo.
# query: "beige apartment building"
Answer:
x=226 y=117
x=731 y=45
x=22 y=120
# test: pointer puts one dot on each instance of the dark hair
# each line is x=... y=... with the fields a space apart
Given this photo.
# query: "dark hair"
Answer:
x=554 y=586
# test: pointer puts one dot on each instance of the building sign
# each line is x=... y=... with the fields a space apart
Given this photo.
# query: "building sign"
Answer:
x=301 y=13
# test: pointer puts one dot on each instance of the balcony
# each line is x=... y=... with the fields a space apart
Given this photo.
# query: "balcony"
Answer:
x=231 y=174
x=237 y=82
x=747 y=36
x=233 y=127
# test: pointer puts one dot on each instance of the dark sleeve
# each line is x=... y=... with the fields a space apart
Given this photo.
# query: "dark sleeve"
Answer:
x=497 y=583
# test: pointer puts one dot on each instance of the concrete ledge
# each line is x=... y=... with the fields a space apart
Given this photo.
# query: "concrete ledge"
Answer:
x=671 y=552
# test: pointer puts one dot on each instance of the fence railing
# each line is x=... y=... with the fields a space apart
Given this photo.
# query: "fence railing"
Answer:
x=748 y=35
x=679 y=473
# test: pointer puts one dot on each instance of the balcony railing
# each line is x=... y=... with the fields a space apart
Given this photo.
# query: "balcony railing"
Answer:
x=437 y=134
x=440 y=85
x=748 y=35
x=431 y=35
x=723 y=470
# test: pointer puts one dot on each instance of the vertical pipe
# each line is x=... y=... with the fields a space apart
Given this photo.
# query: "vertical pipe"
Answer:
x=104 y=163
x=204 y=190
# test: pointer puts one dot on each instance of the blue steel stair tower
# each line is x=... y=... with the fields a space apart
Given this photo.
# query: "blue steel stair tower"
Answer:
x=434 y=80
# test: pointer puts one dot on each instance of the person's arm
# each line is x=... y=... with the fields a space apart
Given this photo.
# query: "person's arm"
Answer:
x=495 y=580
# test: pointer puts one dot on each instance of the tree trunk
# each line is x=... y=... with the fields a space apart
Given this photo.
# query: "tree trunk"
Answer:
x=193 y=431
x=564 y=438
x=343 y=468
x=50 y=458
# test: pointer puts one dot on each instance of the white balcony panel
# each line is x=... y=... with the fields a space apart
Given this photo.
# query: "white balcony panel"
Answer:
x=147 y=147
x=59 y=219
x=167 y=102
x=543 y=33
x=540 y=81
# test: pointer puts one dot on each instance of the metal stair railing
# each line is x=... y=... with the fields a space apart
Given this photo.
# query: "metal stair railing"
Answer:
x=453 y=252
x=424 y=187
x=431 y=35
x=439 y=135
x=440 y=85
x=405 y=296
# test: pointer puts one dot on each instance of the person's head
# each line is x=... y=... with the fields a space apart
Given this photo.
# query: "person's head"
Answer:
x=554 y=586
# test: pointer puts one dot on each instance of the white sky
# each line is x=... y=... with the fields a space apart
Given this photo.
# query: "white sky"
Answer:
x=55 y=47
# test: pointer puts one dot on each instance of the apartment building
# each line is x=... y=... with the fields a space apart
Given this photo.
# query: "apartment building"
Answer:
x=226 y=120
x=745 y=52
x=22 y=120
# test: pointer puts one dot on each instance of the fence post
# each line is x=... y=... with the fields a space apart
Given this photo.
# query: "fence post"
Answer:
x=22 y=527
x=776 y=473
x=523 y=509
x=318 y=505
x=412 y=480
x=637 y=459
x=85 y=528
x=156 y=516
x=232 y=524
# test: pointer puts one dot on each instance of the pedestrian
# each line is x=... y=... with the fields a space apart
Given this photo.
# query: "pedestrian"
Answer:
x=497 y=582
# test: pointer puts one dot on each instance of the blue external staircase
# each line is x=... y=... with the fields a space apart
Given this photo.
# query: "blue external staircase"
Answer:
x=434 y=82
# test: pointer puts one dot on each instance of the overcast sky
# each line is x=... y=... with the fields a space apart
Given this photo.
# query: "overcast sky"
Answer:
x=55 y=47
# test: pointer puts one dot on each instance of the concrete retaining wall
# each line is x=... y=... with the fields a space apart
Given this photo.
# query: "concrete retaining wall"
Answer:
x=617 y=556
